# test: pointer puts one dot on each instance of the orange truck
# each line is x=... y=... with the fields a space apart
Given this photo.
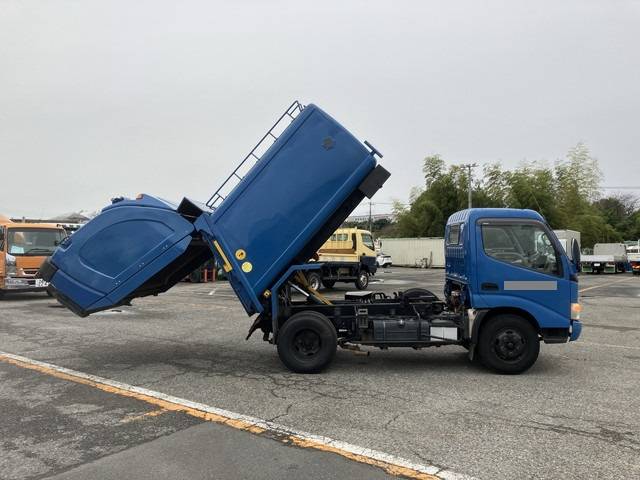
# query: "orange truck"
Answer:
x=23 y=248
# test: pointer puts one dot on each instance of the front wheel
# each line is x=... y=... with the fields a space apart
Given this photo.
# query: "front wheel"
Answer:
x=508 y=344
x=363 y=280
x=307 y=342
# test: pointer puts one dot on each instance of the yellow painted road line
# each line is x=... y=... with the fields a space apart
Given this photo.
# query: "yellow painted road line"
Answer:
x=142 y=416
x=603 y=285
x=387 y=462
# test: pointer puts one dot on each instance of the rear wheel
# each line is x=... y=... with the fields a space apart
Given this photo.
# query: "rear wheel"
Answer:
x=363 y=280
x=307 y=342
x=328 y=283
x=508 y=344
x=315 y=280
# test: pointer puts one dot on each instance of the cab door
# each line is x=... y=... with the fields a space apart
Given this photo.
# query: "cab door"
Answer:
x=519 y=264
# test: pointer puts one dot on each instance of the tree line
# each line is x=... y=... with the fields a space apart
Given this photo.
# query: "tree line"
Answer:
x=567 y=194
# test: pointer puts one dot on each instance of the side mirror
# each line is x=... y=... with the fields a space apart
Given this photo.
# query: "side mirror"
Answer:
x=575 y=254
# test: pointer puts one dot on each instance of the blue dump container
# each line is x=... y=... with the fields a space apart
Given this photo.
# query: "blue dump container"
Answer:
x=279 y=213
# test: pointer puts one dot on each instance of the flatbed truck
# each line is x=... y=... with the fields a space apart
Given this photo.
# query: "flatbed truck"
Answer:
x=606 y=258
x=509 y=284
x=633 y=256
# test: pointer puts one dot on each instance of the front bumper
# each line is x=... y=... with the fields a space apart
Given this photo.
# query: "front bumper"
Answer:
x=25 y=284
x=576 y=330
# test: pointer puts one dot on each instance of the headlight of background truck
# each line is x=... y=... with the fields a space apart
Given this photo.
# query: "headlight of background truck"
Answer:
x=10 y=263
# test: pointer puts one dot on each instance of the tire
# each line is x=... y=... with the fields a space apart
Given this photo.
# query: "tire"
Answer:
x=314 y=279
x=307 y=342
x=363 y=280
x=508 y=344
x=328 y=283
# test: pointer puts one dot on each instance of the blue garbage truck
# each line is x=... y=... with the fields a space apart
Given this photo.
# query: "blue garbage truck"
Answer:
x=509 y=285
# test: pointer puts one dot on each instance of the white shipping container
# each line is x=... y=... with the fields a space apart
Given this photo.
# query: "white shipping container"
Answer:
x=415 y=252
x=565 y=237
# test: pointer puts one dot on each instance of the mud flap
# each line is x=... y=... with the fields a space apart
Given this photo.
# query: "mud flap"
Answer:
x=134 y=248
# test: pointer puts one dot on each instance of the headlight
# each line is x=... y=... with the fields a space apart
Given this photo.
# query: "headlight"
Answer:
x=10 y=262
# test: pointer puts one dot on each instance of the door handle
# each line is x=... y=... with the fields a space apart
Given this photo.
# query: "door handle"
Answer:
x=489 y=286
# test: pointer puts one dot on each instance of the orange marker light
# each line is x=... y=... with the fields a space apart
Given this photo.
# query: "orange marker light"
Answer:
x=576 y=308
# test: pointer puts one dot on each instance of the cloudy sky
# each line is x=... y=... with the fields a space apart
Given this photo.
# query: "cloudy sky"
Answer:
x=99 y=99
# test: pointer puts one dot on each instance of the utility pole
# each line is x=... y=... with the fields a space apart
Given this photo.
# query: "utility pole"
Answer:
x=370 y=224
x=469 y=167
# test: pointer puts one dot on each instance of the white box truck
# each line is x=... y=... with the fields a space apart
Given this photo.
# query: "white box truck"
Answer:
x=565 y=237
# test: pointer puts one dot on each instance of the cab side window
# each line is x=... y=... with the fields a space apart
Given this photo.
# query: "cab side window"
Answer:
x=522 y=244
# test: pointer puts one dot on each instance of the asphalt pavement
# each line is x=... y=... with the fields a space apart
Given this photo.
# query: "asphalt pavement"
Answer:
x=575 y=414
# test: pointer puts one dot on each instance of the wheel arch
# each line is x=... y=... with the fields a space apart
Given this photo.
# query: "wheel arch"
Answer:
x=486 y=315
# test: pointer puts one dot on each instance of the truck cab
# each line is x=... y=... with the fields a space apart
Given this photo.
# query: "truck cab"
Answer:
x=633 y=255
x=23 y=248
x=508 y=265
x=348 y=244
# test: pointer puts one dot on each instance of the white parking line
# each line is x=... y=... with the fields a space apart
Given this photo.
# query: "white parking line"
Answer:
x=608 y=345
x=390 y=463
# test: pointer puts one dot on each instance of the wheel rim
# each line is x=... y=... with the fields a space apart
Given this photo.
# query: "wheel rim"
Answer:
x=306 y=343
x=363 y=279
x=509 y=345
x=314 y=283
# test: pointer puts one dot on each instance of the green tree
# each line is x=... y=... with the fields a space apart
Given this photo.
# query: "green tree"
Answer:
x=567 y=195
x=534 y=187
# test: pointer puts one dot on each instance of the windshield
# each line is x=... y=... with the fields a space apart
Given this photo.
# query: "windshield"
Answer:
x=33 y=241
